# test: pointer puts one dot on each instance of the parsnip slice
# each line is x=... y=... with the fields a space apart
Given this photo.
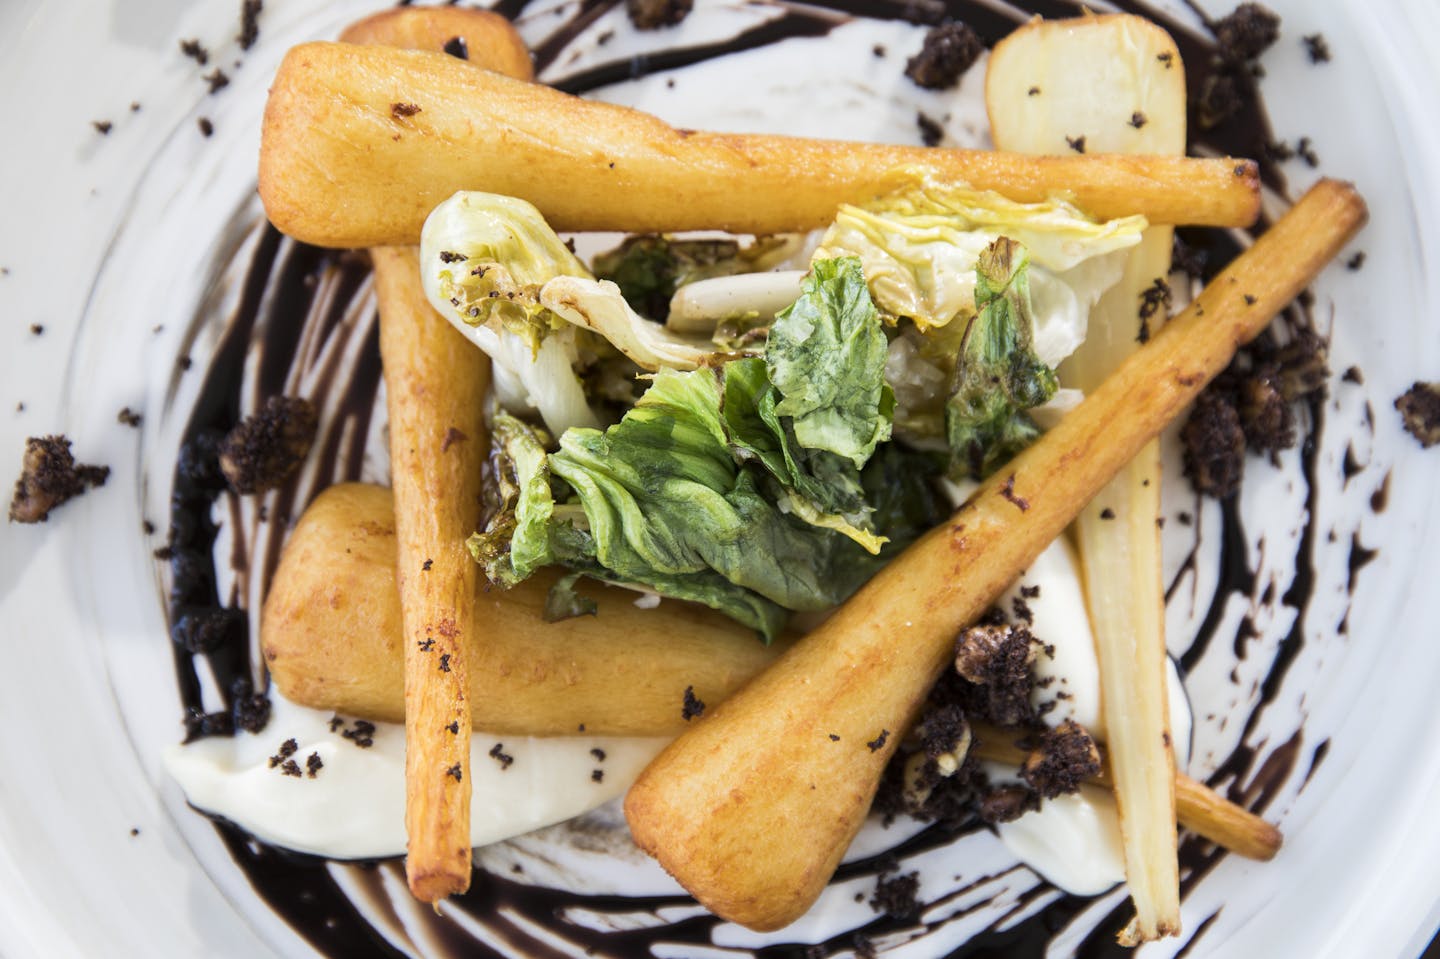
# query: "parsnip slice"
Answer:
x=1115 y=84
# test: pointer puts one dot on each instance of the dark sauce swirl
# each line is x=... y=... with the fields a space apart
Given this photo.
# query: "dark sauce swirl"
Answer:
x=305 y=319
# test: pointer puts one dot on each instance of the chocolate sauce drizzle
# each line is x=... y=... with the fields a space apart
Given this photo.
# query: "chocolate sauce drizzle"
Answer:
x=300 y=308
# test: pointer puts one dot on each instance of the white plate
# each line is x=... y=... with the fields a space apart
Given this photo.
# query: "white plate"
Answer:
x=106 y=237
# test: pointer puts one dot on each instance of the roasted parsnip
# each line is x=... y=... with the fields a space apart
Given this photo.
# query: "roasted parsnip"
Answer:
x=359 y=144
x=1117 y=81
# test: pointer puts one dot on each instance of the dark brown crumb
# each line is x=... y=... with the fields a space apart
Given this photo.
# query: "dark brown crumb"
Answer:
x=1166 y=58
x=1022 y=610
x=195 y=50
x=1008 y=491
x=207 y=128
x=288 y=748
x=1279 y=151
x=362 y=733
x=217 y=80
x=1317 y=48
x=931 y=133
x=1157 y=297
x=147 y=527
x=497 y=753
x=1265 y=413
x=896 y=896
x=200 y=725
x=1076 y=143
x=1107 y=513
x=452 y=436
x=313 y=764
x=135 y=106
x=250 y=22
x=1222 y=95
x=444 y=662
x=264 y=449
x=37 y=329
x=834 y=738
x=879 y=51
x=103 y=127
x=597 y=775
x=1007 y=804
x=1419 y=407
x=1303 y=366
x=599 y=754
x=1138 y=119
x=996 y=659
x=128 y=417
x=1353 y=375
x=20 y=407
x=654 y=14
x=458 y=48
x=1188 y=259
x=291 y=768
x=402 y=110
x=1356 y=261
x=1305 y=150
x=1214 y=446
x=1064 y=758
x=426 y=644
x=1033 y=92
x=251 y=710
x=878 y=743
x=456 y=772
x=864 y=948
x=447 y=256
x=336 y=722
x=1030 y=592
x=134 y=831
x=691 y=707
x=948 y=51
x=1246 y=32
x=49 y=476
x=604 y=38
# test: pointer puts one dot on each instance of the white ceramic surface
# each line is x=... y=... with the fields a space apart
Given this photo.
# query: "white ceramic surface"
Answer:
x=103 y=238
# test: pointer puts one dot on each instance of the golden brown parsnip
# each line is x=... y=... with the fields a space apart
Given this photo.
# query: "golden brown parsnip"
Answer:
x=332 y=639
x=436 y=384
x=359 y=144
x=753 y=808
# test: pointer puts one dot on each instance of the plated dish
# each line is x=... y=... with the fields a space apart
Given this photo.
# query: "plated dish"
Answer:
x=338 y=281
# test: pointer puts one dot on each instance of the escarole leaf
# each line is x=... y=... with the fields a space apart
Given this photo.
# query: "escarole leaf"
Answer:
x=517 y=537
x=599 y=306
x=997 y=375
x=485 y=258
x=826 y=358
x=649 y=268
x=919 y=243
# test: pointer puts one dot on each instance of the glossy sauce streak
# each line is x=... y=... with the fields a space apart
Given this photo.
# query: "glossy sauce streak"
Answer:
x=300 y=310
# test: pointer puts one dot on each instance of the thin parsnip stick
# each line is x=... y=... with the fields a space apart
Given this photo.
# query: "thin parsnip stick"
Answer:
x=332 y=639
x=435 y=384
x=359 y=144
x=1201 y=810
x=752 y=810
x=435 y=392
x=486 y=39
x=1118 y=81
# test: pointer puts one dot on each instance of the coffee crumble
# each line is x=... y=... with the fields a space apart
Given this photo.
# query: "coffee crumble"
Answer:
x=1064 y=758
x=896 y=896
x=217 y=80
x=401 y=111
x=128 y=417
x=444 y=662
x=597 y=775
x=49 y=477
x=37 y=329
x=1138 y=119
x=691 y=707
x=266 y=448
x=931 y=132
x=497 y=753
x=947 y=52
x=456 y=772
x=291 y=768
x=195 y=50
x=599 y=754
x=878 y=743
x=1008 y=492
x=1355 y=262
x=425 y=566
x=1316 y=48
x=1214 y=446
x=1419 y=409
x=103 y=127
x=207 y=129
x=1247 y=32
x=250 y=22
x=1076 y=143
x=313 y=764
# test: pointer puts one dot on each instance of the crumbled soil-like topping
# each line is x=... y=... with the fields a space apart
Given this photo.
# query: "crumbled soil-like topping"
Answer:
x=207 y=629
x=1247 y=32
x=456 y=772
x=207 y=128
x=49 y=476
x=195 y=50
x=1065 y=757
x=896 y=896
x=1356 y=261
x=1419 y=406
x=102 y=127
x=217 y=80
x=449 y=256
x=313 y=764
x=37 y=329
x=1302 y=366
x=1008 y=492
x=931 y=132
x=1265 y=414
x=599 y=754
x=362 y=733
x=1076 y=143
x=444 y=663
x=1222 y=95
x=878 y=743
x=997 y=660
x=498 y=753
x=250 y=22
x=1156 y=297
x=654 y=14
x=1317 y=48
x=944 y=732
x=291 y=768
x=1022 y=610
x=402 y=110
x=458 y=48
x=1214 y=446
x=128 y=417
x=597 y=775
x=692 y=706
x=948 y=51
x=1188 y=259
x=1007 y=804
x=1138 y=119
x=265 y=449
x=251 y=712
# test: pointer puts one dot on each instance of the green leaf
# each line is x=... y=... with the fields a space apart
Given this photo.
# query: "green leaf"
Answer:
x=826 y=357
x=998 y=376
